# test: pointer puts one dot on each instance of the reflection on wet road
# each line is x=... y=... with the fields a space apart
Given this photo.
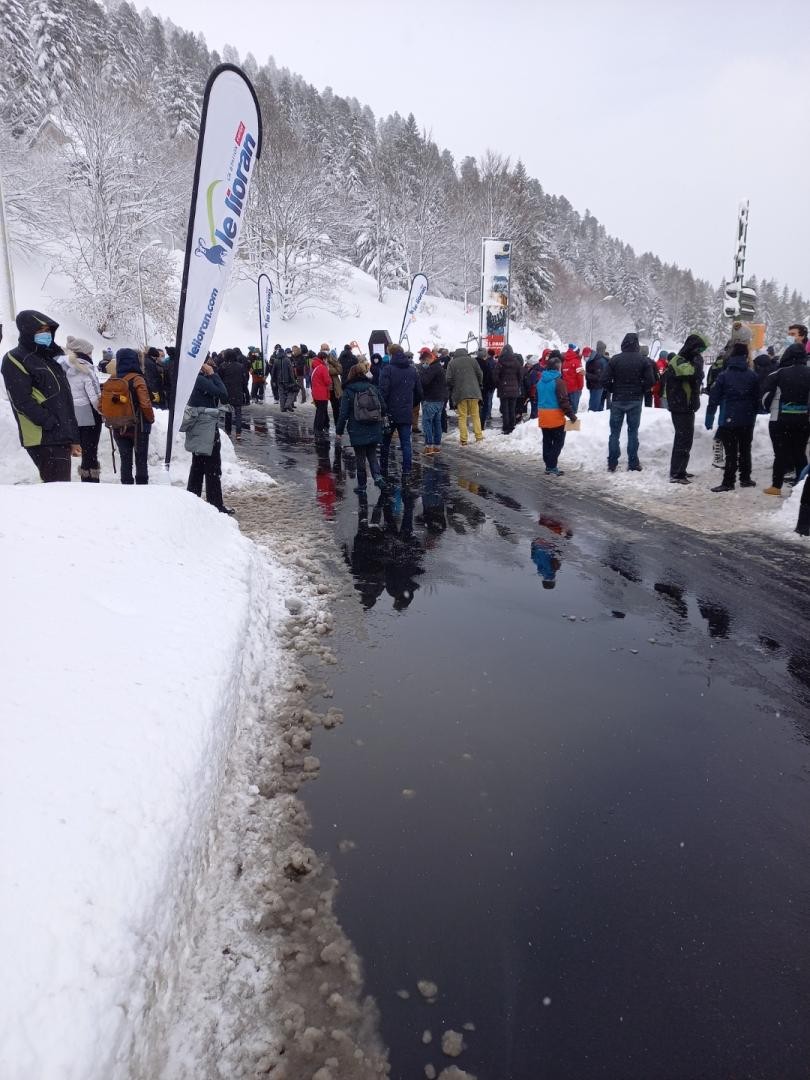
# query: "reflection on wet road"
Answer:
x=602 y=730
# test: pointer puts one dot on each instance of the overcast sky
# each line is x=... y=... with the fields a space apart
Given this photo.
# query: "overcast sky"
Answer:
x=657 y=115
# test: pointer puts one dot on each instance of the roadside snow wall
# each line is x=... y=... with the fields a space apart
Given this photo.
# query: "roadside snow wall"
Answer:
x=124 y=612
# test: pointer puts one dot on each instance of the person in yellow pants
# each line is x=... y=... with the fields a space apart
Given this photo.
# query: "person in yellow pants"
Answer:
x=469 y=407
x=465 y=380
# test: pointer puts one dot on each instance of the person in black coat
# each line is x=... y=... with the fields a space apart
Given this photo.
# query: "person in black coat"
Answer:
x=209 y=393
x=486 y=361
x=154 y=369
x=234 y=374
x=628 y=378
x=508 y=379
x=376 y=368
x=764 y=365
x=433 y=379
x=347 y=360
x=736 y=393
x=786 y=398
x=41 y=397
x=276 y=356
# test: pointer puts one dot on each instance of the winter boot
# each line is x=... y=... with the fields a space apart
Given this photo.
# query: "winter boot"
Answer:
x=803 y=524
x=718 y=455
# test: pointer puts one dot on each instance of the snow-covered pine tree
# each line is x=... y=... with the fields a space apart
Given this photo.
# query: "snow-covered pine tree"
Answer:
x=125 y=64
x=97 y=37
x=22 y=104
x=182 y=88
x=57 y=50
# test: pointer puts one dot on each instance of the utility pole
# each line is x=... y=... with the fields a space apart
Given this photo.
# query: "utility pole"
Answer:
x=739 y=302
x=8 y=308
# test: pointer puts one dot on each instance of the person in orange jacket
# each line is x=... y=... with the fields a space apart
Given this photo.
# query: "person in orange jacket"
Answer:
x=553 y=408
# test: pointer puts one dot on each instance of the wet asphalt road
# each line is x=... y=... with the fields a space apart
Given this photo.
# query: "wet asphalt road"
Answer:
x=604 y=722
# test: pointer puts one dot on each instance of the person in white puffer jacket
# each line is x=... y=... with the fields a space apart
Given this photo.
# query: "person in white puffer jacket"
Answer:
x=84 y=386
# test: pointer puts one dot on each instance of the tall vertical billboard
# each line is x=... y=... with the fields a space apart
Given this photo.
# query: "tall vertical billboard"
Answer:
x=496 y=272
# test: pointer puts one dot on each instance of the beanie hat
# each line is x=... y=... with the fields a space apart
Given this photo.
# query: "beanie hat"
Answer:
x=80 y=345
x=425 y=351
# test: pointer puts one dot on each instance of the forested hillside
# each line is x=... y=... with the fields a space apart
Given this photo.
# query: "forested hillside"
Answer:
x=99 y=109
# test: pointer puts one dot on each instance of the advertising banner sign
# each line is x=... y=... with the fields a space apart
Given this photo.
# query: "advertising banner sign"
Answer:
x=496 y=270
x=419 y=288
x=265 y=311
x=228 y=149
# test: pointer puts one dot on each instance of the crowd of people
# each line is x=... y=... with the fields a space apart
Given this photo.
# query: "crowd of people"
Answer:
x=61 y=404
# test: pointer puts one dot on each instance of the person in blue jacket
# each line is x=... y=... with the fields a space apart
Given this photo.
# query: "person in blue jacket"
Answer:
x=735 y=392
x=365 y=431
x=401 y=390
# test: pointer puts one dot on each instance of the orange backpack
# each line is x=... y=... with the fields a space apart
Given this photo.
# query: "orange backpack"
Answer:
x=117 y=407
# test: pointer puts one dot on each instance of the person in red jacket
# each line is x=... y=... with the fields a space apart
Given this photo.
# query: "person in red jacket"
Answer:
x=573 y=373
x=660 y=367
x=321 y=390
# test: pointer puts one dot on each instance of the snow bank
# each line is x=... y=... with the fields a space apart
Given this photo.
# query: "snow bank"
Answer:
x=125 y=611
x=584 y=460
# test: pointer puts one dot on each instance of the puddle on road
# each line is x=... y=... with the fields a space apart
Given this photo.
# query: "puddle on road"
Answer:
x=570 y=789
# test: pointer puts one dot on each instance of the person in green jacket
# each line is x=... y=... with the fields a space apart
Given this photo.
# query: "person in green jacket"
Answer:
x=682 y=380
x=41 y=397
x=465 y=381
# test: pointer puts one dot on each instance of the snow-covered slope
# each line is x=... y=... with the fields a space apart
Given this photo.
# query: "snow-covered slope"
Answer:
x=438 y=322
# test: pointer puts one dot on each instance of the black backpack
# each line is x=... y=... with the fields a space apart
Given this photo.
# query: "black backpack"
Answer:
x=367 y=407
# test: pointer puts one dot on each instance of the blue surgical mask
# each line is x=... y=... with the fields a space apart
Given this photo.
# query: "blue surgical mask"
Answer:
x=790 y=340
x=44 y=337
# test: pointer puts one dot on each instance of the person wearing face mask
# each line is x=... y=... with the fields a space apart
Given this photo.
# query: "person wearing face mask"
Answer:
x=41 y=397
